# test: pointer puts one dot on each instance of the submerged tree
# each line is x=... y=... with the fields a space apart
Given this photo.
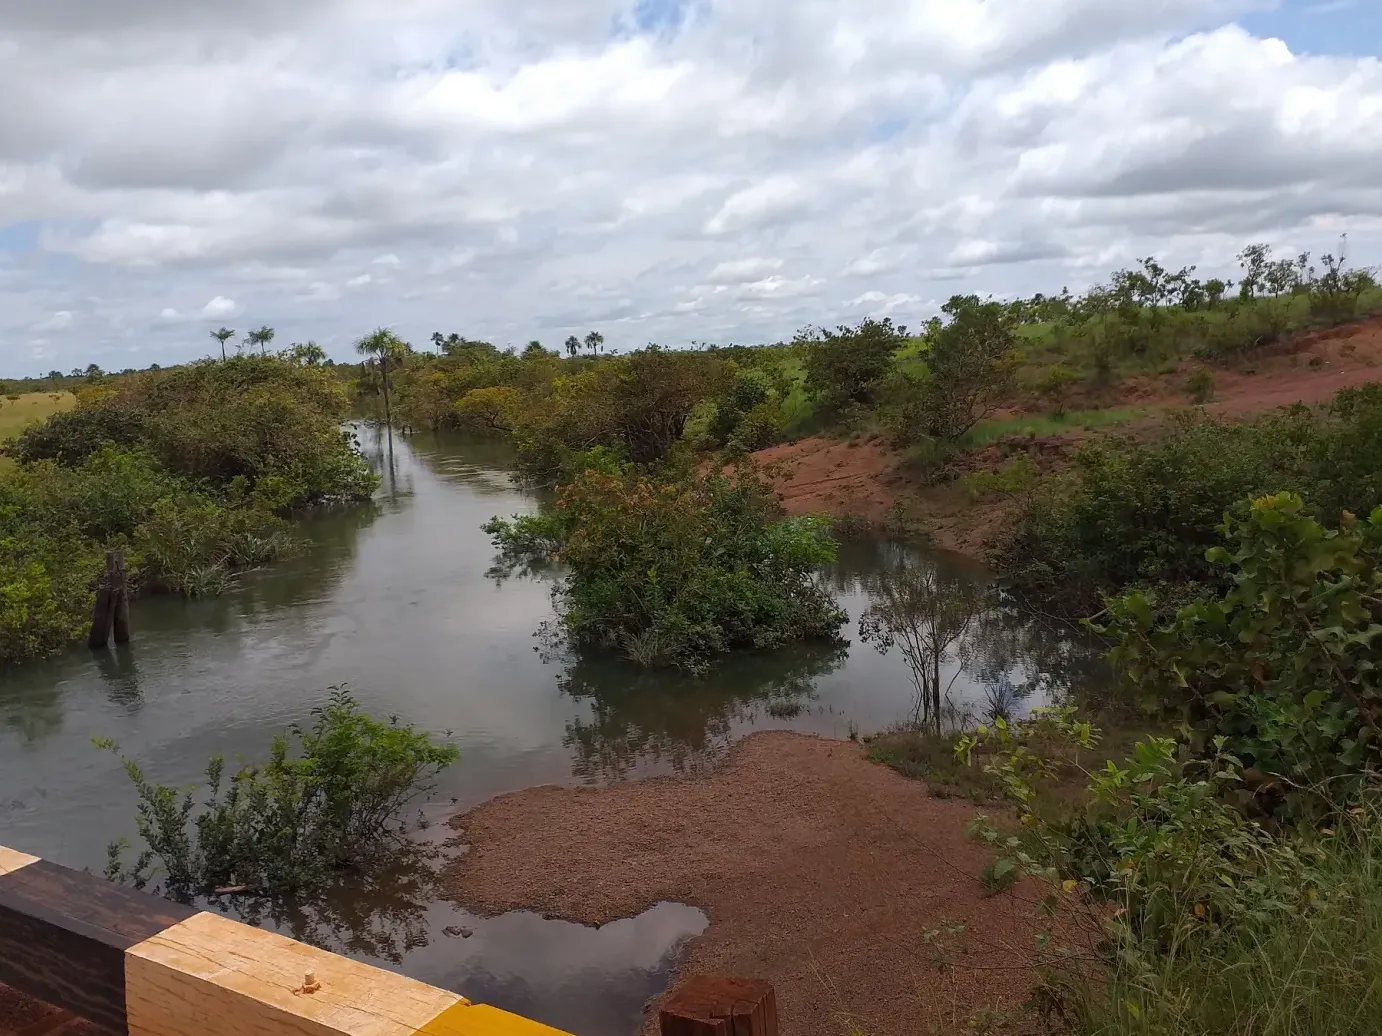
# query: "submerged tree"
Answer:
x=383 y=347
x=927 y=616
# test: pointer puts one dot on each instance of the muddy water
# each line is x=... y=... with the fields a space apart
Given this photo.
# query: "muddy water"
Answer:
x=395 y=601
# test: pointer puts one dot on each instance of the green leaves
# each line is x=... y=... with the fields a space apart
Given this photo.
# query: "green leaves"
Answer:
x=1280 y=667
x=675 y=570
x=330 y=796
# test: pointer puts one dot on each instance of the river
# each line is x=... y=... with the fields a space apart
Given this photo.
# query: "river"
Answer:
x=396 y=602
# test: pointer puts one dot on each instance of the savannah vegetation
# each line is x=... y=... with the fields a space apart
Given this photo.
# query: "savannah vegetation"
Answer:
x=194 y=472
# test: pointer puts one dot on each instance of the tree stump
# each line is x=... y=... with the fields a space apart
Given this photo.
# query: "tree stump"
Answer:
x=710 y=1006
x=112 y=609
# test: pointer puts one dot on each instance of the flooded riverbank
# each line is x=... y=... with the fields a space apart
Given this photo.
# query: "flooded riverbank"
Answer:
x=395 y=601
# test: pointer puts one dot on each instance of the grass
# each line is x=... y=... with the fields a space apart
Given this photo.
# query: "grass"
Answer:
x=986 y=433
x=1310 y=972
x=923 y=756
x=30 y=408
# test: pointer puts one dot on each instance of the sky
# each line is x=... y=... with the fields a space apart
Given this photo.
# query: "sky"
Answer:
x=658 y=170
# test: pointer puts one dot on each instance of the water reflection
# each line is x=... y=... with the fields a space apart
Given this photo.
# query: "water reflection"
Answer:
x=121 y=675
x=975 y=653
x=640 y=719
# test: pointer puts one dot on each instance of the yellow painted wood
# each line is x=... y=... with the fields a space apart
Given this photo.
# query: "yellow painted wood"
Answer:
x=211 y=976
x=482 y=1020
x=11 y=860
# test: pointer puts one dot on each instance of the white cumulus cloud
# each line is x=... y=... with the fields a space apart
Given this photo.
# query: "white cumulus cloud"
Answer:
x=736 y=171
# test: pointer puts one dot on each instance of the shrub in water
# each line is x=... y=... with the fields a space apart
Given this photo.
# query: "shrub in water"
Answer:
x=329 y=797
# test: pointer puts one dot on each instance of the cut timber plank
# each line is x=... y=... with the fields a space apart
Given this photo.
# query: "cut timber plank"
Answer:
x=11 y=861
x=64 y=933
x=210 y=974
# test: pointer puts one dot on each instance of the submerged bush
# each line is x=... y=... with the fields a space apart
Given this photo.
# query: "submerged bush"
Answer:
x=330 y=797
x=675 y=571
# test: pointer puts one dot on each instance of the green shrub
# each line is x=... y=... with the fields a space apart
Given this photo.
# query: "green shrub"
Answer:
x=675 y=571
x=1199 y=387
x=1279 y=669
x=847 y=366
x=1136 y=513
x=330 y=797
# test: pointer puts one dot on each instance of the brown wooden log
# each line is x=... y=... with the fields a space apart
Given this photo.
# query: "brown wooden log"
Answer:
x=102 y=617
x=707 y=1005
x=120 y=593
x=64 y=933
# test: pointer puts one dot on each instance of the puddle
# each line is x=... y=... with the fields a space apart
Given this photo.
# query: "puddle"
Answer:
x=586 y=981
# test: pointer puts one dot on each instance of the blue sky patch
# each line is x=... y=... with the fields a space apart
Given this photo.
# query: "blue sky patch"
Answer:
x=1347 y=27
x=20 y=237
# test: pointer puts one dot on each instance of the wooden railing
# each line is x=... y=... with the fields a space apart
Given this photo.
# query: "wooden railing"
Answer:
x=137 y=964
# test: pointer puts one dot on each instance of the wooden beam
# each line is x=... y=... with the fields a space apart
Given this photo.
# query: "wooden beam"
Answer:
x=64 y=933
x=140 y=965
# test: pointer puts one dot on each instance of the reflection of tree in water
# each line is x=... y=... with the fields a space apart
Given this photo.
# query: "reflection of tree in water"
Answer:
x=380 y=914
x=481 y=463
x=1005 y=652
x=667 y=718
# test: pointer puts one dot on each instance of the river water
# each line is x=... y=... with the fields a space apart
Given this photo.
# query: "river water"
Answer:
x=396 y=601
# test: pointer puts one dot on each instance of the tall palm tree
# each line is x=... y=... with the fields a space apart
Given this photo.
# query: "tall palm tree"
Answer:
x=223 y=335
x=594 y=342
x=261 y=337
x=383 y=347
x=573 y=346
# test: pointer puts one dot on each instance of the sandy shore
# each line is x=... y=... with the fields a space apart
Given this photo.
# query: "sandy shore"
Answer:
x=822 y=872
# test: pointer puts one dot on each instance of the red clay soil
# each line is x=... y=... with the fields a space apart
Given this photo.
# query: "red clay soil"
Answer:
x=1308 y=368
x=865 y=479
x=819 y=871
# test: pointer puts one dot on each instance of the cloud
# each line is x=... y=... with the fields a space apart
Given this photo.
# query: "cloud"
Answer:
x=736 y=271
x=732 y=171
x=219 y=307
x=59 y=321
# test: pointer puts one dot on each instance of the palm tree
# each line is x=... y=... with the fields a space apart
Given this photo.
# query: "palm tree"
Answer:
x=594 y=341
x=223 y=336
x=261 y=337
x=573 y=346
x=383 y=346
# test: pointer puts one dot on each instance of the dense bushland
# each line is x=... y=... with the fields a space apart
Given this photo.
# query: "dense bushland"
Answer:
x=1241 y=852
x=191 y=471
x=676 y=569
x=1144 y=513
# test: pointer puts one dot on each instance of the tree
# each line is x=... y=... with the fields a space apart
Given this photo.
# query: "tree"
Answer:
x=261 y=337
x=971 y=363
x=309 y=355
x=573 y=346
x=223 y=335
x=846 y=366
x=93 y=372
x=927 y=616
x=383 y=347
x=594 y=342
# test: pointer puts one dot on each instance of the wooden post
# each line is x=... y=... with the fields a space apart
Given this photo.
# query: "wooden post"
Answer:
x=120 y=591
x=711 y=1006
x=112 y=609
